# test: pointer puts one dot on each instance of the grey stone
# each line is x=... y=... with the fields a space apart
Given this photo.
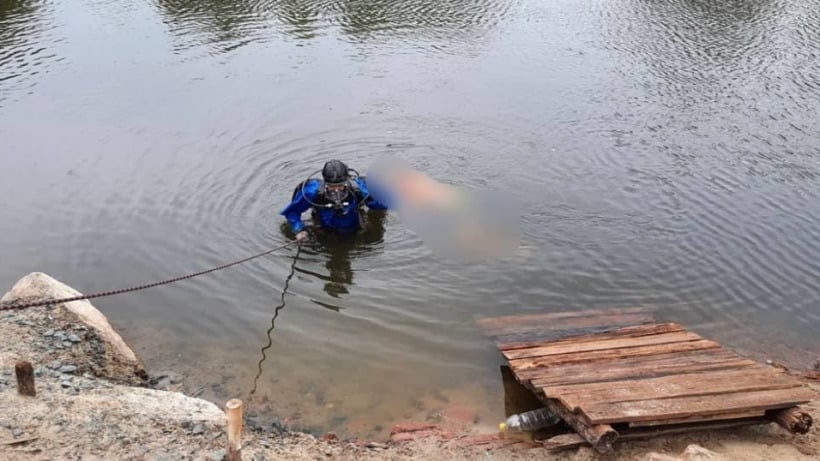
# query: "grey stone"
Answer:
x=65 y=384
x=48 y=333
x=38 y=371
x=260 y=457
x=198 y=430
x=66 y=344
x=17 y=432
x=217 y=455
x=74 y=338
x=68 y=369
x=60 y=336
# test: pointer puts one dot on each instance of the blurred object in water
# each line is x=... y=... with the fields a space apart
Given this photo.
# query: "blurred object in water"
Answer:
x=455 y=222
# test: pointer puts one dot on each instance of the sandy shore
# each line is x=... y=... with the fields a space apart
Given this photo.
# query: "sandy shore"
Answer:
x=97 y=400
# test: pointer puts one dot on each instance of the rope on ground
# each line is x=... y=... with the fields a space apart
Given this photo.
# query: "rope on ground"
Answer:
x=16 y=306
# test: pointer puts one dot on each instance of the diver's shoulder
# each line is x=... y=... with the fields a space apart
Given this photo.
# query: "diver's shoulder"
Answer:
x=309 y=188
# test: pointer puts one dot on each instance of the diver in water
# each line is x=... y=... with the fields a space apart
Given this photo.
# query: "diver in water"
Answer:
x=335 y=200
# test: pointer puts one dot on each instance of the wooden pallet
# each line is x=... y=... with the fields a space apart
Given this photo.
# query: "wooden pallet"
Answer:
x=618 y=373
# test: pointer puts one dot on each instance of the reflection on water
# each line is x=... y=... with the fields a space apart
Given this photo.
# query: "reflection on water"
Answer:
x=338 y=250
x=225 y=26
x=25 y=44
x=276 y=310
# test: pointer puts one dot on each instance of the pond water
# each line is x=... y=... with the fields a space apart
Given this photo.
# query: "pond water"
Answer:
x=664 y=153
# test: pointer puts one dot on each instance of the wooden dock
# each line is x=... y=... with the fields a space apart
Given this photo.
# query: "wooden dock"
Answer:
x=618 y=374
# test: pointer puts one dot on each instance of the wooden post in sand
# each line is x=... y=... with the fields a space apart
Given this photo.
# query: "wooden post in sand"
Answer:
x=25 y=378
x=233 y=409
x=793 y=420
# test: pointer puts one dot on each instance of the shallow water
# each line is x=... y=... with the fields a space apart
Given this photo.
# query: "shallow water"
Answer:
x=666 y=154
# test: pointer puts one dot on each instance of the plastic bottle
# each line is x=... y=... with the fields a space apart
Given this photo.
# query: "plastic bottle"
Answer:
x=529 y=421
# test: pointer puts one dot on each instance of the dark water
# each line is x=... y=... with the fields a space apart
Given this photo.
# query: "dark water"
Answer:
x=667 y=154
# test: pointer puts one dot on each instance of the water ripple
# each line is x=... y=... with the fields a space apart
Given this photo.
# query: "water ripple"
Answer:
x=27 y=46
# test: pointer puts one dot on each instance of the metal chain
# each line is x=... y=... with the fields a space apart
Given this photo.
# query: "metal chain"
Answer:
x=14 y=306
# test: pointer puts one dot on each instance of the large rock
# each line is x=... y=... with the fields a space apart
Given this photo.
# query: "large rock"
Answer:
x=116 y=360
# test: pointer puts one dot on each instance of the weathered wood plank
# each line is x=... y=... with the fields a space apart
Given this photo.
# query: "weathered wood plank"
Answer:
x=509 y=341
x=706 y=383
x=701 y=419
x=566 y=347
x=632 y=331
x=609 y=374
x=569 y=370
x=568 y=441
x=600 y=436
x=572 y=323
x=682 y=407
x=501 y=322
x=580 y=401
x=552 y=360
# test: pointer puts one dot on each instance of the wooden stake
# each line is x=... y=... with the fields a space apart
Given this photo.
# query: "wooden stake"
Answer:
x=233 y=409
x=25 y=378
x=793 y=420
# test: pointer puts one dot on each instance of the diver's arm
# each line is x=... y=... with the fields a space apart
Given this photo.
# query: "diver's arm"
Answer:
x=299 y=204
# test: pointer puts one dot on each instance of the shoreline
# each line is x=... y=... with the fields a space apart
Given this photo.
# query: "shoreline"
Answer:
x=97 y=400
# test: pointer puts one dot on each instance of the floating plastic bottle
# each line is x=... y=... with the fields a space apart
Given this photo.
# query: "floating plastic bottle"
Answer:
x=529 y=421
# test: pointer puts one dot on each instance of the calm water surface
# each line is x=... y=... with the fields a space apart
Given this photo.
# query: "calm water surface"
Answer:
x=667 y=153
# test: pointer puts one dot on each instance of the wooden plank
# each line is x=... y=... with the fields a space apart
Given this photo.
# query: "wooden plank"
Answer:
x=568 y=441
x=608 y=355
x=701 y=419
x=569 y=370
x=565 y=347
x=682 y=407
x=502 y=322
x=510 y=341
x=632 y=331
x=689 y=387
x=709 y=382
x=600 y=436
x=641 y=372
x=574 y=323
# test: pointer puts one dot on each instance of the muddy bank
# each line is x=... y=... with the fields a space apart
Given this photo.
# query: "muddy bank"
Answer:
x=96 y=399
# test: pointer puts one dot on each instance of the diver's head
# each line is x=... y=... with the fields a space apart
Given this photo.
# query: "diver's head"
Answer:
x=336 y=177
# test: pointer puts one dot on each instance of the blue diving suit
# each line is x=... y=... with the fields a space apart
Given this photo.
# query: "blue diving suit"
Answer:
x=340 y=217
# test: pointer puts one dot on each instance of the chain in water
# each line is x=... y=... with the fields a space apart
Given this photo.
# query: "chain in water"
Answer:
x=48 y=302
x=273 y=320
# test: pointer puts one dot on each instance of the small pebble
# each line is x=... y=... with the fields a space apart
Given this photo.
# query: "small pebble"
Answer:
x=17 y=432
x=198 y=430
x=48 y=333
x=66 y=344
x=74 y=338
x=68 y=369
x=55 y=365
x=66 y=384
x=60 y=336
